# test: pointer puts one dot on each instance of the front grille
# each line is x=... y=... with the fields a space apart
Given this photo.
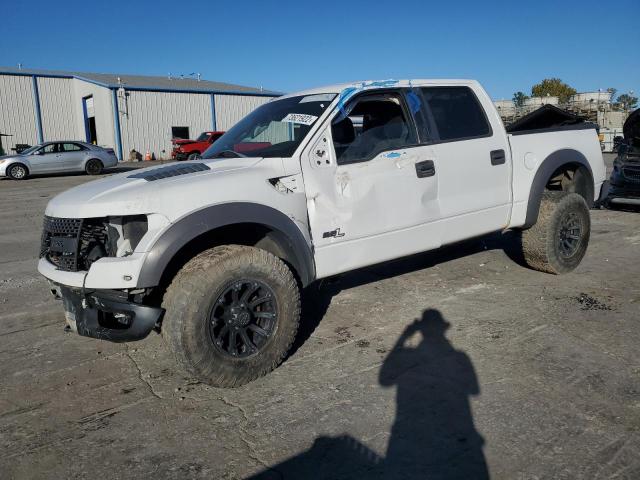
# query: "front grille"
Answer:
x=632 y=174
x=71 y=243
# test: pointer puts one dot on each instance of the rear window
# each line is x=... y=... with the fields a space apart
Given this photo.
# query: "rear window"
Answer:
x=457 y=113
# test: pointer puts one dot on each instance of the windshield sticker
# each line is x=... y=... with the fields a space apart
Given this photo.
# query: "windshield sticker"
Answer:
x=302 y=118
x=321 y=97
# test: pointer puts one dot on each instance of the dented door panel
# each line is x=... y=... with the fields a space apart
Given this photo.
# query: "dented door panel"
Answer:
x=368 y=206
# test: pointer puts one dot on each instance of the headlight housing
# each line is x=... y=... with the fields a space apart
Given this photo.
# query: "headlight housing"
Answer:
x=125 y=233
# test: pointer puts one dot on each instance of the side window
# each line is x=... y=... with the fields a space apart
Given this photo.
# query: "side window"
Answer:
x=456 y=113
x=51 y=148
x=371 y=125
x=71 y=147
x=414 y=102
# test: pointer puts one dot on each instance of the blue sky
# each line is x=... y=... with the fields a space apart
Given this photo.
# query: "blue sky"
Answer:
x=291 y=45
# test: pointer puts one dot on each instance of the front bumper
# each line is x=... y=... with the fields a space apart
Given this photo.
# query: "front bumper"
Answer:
x=179 y=156
x=626 y=194
x=106 y=315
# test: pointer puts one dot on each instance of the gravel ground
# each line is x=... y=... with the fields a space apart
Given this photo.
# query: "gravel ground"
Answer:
x=459 y=363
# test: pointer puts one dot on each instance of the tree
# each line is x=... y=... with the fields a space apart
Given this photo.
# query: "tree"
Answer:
x=627 y=101
x=613 y=92
x=553 y=87
x=519 y=98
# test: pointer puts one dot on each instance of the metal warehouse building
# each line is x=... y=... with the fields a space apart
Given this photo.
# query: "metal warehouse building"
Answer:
x=125 y=112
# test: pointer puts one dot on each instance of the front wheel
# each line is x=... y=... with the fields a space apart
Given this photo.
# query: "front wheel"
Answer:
x=93 y=167
x=194 y=156
x=232 y=314
x=17 y=172
x=558 y=241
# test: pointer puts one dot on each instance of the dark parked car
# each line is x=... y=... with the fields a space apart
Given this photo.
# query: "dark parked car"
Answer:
x=625 y=178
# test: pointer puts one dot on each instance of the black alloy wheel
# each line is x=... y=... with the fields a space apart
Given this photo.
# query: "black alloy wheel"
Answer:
x=243 y=318
x=570 y=234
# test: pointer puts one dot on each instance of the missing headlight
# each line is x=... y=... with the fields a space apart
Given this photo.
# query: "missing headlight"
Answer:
x=125 y=234
x=133 y=229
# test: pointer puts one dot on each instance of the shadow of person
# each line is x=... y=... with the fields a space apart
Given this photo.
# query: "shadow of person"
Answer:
x=433 y=435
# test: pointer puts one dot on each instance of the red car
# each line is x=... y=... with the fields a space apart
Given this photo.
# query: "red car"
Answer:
x=192 y=149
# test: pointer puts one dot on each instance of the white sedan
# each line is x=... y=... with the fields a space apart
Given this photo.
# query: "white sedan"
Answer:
x=58 y=157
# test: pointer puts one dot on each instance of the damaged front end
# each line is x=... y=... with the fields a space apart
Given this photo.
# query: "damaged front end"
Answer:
x=625 y=177
x=74 y=245
x=107 y=314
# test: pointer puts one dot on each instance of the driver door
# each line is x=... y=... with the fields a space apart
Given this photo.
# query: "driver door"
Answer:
x=371 y=186
x=45 y=159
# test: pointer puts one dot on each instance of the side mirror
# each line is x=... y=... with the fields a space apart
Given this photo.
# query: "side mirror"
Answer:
x=39 y=152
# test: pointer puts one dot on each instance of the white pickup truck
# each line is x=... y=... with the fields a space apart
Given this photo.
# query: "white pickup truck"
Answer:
x=213 y=253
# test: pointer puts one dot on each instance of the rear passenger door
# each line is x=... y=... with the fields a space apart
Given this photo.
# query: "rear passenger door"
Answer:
x=471 y=160
x=72 y=156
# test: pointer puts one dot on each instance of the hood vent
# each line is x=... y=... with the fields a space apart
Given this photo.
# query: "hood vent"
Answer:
x=170 y=171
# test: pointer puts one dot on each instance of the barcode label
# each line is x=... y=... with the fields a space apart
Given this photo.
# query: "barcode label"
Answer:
x=302 y=118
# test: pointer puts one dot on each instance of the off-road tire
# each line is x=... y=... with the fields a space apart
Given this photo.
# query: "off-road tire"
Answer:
x=541 y=244
x=93 y=167
x=189 y=301
x=194 y=156
x=17 y=171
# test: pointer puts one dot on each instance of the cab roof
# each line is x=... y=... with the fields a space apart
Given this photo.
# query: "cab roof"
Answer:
x=367 y=84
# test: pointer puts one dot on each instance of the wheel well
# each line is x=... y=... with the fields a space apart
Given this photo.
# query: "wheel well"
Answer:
x=248 y=234
x=572 y=177
x=564 y=170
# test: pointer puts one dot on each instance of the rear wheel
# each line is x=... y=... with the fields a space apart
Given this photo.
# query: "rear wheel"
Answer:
x=17 y=171
x=93 y=167
x=558 y=241
x=232 y=314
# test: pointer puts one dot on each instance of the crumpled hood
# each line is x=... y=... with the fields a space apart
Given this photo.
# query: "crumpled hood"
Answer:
x=128 y=194
x=181 y=141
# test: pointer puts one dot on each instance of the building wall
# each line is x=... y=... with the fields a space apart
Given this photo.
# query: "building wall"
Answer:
x=146 y=119
x=56 y=107
x=103 y=106
x=611 y=120
x=231 y=108
x=17 y=111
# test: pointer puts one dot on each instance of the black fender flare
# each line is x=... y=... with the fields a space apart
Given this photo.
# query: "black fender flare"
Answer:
x=298 y=250
x=549 y=165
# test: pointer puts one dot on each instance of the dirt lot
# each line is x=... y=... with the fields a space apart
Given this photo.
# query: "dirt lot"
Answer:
x=429 y=367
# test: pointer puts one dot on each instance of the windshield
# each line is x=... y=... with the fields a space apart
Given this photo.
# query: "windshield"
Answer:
x=203 y=136
x=30 y=150
x=273 y=130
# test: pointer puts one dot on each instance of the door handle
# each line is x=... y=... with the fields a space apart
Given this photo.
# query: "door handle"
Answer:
x=498 y=157
x=426 y=168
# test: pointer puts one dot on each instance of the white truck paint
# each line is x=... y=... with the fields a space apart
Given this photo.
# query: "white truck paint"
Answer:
x=410 y=198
